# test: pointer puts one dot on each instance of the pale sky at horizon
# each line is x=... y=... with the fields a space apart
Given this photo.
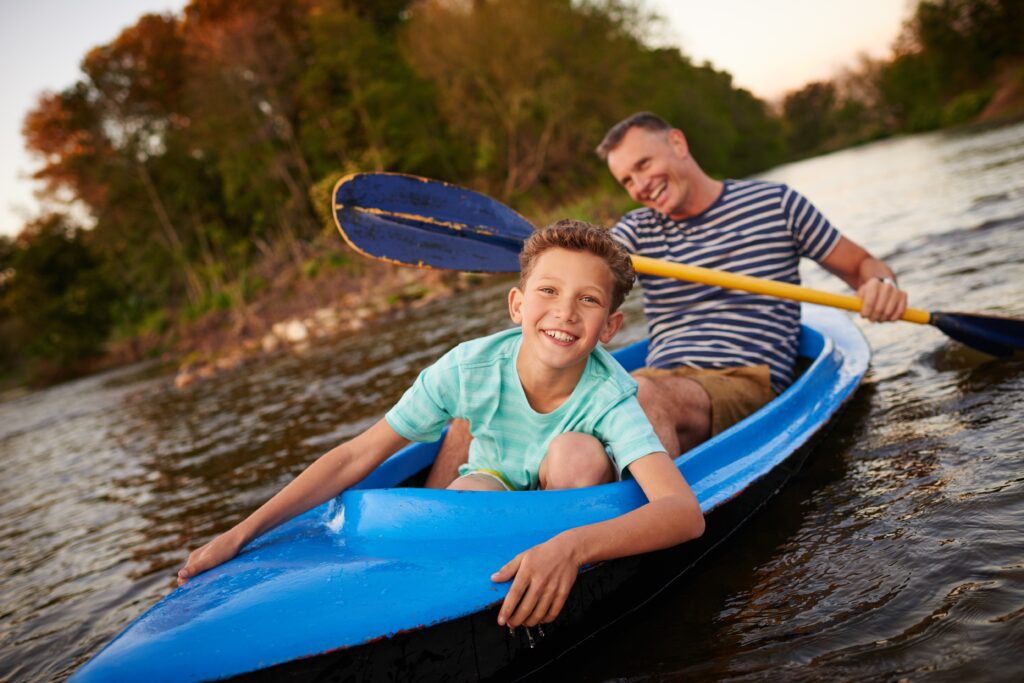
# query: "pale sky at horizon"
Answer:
x=770 y=48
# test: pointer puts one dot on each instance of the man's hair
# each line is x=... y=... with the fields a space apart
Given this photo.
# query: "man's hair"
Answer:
x=579 y=236
x=643 y=119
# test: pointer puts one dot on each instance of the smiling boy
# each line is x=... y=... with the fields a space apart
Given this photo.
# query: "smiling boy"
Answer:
x=547 y=408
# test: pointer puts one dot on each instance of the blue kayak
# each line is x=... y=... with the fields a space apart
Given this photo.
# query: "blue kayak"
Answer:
x=393 y=583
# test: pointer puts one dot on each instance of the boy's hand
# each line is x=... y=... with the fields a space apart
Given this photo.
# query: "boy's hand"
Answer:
x=216 y=552
x=544 y=575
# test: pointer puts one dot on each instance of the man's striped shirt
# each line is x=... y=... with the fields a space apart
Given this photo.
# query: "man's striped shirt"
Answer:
x=754 y=228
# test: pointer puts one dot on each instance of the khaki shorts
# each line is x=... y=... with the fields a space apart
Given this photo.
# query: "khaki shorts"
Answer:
x=735 y=392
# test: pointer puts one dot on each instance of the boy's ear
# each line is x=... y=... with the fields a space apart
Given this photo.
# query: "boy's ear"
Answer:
x=611 y=326
x=515 y=305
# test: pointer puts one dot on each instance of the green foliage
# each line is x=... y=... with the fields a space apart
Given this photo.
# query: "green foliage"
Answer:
x=811 y=115
x=55 y=296
x=202 y=143
x=311 y=268
x=965 y=107
x=156 y=322
x=407 y=295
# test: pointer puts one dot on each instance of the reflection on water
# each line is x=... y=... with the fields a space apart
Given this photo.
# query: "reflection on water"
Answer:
x=894 y=553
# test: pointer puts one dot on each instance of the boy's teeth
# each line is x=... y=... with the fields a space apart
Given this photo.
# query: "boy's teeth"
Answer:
x=657 y=192
x=560 y=336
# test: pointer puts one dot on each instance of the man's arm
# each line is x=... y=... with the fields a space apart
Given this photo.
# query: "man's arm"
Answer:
x=872 y=278
x=545 y=573
x=333 y=472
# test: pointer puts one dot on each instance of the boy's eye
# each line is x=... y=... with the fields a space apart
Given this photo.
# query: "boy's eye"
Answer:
x=590 y=299
x=546 y=290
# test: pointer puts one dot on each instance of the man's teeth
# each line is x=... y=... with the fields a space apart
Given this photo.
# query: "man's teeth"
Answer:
x=560 y=336
x=657 y=192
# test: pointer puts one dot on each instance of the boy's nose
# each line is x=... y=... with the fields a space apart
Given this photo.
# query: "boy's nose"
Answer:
x=566 y=310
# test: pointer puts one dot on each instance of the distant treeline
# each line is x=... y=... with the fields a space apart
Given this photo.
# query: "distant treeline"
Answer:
x=951 y=59
x=195 y=147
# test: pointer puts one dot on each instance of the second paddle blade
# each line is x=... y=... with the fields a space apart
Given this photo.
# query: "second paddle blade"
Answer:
x=991 y=334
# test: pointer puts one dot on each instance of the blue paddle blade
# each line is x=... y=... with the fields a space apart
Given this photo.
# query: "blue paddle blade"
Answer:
x=992 y=334
x=428 y=223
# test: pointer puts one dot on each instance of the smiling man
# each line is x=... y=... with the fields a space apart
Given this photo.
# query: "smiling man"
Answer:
x=718 y=355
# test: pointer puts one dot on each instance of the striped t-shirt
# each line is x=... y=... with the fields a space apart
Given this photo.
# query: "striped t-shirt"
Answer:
x=754 y=228
x=477 y=380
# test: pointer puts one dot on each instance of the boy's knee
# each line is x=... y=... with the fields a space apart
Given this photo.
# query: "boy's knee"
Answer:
x=575 y=460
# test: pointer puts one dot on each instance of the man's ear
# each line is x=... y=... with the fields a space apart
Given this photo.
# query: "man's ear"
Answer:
x=611 y=326
x=678 y=142
x=515 y=305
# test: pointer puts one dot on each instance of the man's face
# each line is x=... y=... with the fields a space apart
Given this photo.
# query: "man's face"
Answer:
x=651 y=166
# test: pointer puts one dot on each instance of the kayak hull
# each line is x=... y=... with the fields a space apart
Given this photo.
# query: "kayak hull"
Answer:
x=393 y=583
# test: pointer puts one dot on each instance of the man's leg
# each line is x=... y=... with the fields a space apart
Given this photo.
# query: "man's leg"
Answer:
x=679 y=410
x=454 y=452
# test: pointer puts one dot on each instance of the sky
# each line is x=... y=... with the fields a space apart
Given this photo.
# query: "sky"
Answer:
x=770 y=48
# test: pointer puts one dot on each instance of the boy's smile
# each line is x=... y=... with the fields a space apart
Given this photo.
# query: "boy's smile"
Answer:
x=564 y=311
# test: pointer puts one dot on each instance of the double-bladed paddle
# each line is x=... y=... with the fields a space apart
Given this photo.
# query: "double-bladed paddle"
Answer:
x=428 y=223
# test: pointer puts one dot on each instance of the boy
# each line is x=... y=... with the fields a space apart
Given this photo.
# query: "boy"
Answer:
x=547 y=408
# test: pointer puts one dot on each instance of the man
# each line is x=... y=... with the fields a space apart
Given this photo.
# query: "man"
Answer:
x=715 y=355
x=718 y=355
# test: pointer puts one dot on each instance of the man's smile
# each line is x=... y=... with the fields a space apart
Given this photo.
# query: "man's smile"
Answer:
x=656 y=192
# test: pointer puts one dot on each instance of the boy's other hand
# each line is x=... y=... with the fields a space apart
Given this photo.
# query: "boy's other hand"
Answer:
x=544 y=575
x=216 y=552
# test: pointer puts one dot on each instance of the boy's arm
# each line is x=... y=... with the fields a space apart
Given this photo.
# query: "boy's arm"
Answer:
x=332 y=473
x=545 y=573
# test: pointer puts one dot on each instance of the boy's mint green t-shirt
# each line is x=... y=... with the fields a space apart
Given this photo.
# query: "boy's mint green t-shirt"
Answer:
x=477 y=381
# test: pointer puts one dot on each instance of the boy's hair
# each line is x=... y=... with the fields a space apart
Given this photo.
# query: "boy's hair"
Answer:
x=579 y=236
x=642 y=119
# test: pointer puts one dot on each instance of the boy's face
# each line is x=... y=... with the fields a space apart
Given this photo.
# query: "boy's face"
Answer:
x=563 y=308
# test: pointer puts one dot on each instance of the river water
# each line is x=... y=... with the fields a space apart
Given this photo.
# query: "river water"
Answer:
x=897 y=552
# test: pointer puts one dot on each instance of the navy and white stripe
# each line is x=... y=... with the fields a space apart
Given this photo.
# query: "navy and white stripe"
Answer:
x=754 y=228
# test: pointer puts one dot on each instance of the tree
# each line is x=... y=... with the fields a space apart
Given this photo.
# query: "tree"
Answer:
x=55 y=292
x=810 y=114
x=523 y=83
x=362 y=107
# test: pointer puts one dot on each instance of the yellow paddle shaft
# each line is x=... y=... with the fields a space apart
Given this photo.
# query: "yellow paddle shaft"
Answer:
x=756 y=285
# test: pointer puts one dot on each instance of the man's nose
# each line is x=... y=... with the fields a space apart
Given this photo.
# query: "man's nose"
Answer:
x=642 y=184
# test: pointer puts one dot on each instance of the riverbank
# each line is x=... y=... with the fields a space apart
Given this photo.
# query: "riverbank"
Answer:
x=298 y=311
x=294 y=322
x=303 y=304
